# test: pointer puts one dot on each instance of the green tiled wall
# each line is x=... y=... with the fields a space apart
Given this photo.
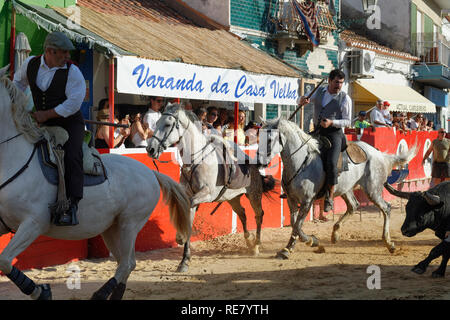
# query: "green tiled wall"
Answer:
x=251 y=14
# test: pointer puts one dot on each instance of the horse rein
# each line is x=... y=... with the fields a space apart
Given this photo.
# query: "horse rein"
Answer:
x=9 y=139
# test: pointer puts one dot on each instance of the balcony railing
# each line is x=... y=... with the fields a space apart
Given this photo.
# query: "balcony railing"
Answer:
x=432 y=52
x=288 y=21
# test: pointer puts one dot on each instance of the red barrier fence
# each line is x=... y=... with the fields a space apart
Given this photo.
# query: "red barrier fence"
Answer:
x=159 y=233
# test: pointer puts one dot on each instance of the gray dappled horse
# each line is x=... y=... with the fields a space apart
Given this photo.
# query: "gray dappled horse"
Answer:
x=117 y=209
x=201 y=168
x=303 y=177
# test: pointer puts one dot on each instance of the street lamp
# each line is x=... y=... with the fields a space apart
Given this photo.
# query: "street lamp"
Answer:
x=367 y=5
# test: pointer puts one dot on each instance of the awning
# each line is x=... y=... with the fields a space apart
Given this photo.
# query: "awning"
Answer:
x=49 y=20
x=401 y=98
x=154 y=31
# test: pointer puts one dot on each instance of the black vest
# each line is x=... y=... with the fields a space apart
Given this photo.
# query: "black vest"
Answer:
x=56 y=92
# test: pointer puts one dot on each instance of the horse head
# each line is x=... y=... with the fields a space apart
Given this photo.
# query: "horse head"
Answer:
x=269 y=141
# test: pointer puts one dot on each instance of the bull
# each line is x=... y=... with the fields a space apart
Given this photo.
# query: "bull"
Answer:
x=429 y=209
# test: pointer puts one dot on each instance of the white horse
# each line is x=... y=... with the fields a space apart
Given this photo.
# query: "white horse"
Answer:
x=117 y=209
x=304 y=176
x=200 y=170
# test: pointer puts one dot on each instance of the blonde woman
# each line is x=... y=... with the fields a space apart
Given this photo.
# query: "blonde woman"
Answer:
x=229 y=131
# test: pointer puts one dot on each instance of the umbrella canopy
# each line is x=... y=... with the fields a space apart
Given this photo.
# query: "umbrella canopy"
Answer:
x=22 y=50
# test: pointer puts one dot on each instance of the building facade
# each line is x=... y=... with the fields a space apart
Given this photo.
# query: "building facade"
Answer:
x=414 y=27
x=274 y=26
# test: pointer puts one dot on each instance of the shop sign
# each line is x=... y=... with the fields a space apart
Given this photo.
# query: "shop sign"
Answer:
x=173 y=79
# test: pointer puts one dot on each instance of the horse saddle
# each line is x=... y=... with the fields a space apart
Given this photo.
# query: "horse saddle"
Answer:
x=354 y=153
x=94 y=171
x=351 y=152
x=232 y=173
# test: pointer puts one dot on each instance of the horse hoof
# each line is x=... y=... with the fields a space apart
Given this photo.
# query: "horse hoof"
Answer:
x=256 y=250
x=391 y=248
x=183 y=267
x=312 y=242
x=283 y=254
x=437 y=274
x=118 y=292
x=46 y=292
x=334 y=238
x=418 y=270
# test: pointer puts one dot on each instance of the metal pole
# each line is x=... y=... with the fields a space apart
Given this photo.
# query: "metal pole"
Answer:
x=236 y=120
x=111 y=101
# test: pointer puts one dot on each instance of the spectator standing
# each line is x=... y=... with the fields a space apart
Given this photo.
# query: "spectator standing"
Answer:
x=201 y=115
x=139 y=132
x=441 y=158
x=377 y=115
x=386 y=113
x=414 y=124
x=153 y=114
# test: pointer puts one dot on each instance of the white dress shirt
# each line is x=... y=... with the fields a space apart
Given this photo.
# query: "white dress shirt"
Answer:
x=346 y=108
x=75 y=88
x=377 y=115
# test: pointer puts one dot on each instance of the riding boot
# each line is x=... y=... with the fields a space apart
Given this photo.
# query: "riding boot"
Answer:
x=328 y=203
x=69 y=218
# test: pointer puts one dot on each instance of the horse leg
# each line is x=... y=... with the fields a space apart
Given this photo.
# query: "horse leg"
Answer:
x=240 y=211
x=255 y=202
x=27 y=232
x=352 y=204
x=204 y=195
x=184 y=264
x=385 y=207
x=126 y=233
x=297 y=219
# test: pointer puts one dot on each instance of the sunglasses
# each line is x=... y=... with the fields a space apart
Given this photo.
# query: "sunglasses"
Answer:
x=159 y=100
x=441 y=132
x=214 y=114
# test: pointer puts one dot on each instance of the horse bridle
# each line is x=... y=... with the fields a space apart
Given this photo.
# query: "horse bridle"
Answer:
x=285 y=185
x=176 y=125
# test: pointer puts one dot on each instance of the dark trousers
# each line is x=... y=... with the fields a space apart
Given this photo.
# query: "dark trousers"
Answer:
x=73 y=153
x=331 y=156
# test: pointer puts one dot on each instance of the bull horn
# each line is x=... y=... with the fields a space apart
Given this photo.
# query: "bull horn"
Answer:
x=432 y=199
x=398 y=193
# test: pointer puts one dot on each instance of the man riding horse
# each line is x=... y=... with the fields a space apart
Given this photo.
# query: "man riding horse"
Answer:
x=58 y=89
x=332 y=108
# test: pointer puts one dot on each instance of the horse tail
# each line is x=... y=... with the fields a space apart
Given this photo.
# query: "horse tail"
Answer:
x=179 y=204
x=404 y=157
x=268 y=185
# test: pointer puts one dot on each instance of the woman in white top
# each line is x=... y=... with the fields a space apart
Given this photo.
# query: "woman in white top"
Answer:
x=139 y=132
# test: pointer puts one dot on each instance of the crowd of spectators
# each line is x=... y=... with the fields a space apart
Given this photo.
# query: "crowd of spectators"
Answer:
x=219 y=121
x=380 y=116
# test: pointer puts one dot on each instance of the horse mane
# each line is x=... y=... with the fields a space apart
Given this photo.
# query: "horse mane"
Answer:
x=21 y=117
x=312 y=143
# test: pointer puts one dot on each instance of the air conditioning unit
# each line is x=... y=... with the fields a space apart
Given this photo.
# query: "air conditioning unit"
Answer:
x=362 y=63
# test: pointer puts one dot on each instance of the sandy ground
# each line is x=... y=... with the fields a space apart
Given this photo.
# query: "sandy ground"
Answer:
x=223 y=268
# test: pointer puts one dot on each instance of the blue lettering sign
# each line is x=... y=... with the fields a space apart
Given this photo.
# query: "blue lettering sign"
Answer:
x=171 y=84
x=250 y=90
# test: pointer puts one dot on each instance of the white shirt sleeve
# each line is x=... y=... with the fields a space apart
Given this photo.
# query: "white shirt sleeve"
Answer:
x=346 y=109
x=75 y=93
